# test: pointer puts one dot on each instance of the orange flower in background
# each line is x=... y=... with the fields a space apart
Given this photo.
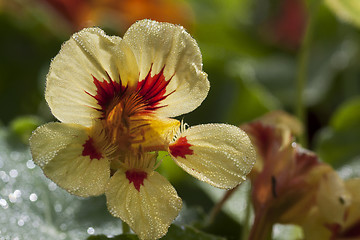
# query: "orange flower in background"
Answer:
x=120 y=14
x=115 y=98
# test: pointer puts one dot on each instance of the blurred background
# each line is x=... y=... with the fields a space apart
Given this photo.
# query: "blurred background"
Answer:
x=253 y=51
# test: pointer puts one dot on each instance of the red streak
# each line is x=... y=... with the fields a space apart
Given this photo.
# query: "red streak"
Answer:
x=181 y=148
x=90 y=150
x=153 y=89
x=137 y=178
x=106 y=92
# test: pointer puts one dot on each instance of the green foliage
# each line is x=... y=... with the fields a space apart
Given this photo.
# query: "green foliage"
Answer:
x=23 y=126
x=339 y=142
x=175 y=232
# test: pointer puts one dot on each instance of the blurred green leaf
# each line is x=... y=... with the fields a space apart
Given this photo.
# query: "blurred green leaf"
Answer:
x=119 y=237
x=33 y=207
x=347 y=10
x=169 y=169
x=236 y=205
x=347 y=117
x=339 y=143
x=24 y=125
x=287 y=232
x=175 y=233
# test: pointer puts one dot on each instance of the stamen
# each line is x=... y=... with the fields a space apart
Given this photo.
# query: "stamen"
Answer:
x=183 y=128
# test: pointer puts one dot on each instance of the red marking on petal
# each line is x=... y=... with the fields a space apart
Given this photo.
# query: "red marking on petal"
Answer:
x=106 y=92
x=90 y=150
x=181 y=148
x=152 y=89
x=143 y=98
x=136 y=177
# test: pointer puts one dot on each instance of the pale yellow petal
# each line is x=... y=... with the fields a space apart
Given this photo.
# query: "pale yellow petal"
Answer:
x=88 y=54
x=219 y=154
x=333 y=199
x=158 y=46
x=352 y=185
x=58 y=149
x=150 y=210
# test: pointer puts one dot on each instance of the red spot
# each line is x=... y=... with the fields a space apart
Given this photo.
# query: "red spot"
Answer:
x=107 y=92
x=136 y=177
x=181 y=148
x=153 y=89
x=90 y=150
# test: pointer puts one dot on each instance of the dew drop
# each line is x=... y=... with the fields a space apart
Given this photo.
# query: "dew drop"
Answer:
x=21 y=222
x=17 y=193
x=52 y=186
x=58 y=207
x=4 y=176
x=4 y=203
x=63 y=227
x=91 y=230
x=12 y=198
x=30 y=164
x=33 y=197
x=13 y=173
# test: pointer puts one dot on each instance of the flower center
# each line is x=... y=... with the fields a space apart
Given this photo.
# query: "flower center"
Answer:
x=119 y=104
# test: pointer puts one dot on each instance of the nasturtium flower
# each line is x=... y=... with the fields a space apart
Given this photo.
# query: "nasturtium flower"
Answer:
x=115 y=98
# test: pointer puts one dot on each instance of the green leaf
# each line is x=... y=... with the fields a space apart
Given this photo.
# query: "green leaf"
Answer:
x=24 y=125
x=119 y=237
x=287 y=232
x=339 y=143
x=347 y=117
x=33 y=207
x=175 y=233
x=189 y=233
x=347 y=10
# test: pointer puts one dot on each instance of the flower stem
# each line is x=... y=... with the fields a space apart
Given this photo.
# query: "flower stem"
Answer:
x=262 y=227
x=246 y=226
x=125 y=228
x=302 y=68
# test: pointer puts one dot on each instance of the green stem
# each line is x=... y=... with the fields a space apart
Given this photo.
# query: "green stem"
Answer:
x=246 y=226
x=302 y=68
x=125 y=228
